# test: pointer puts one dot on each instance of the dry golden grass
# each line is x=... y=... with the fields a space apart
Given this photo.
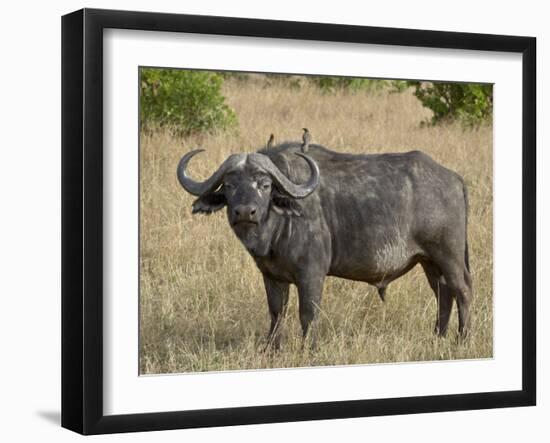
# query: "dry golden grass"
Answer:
x=202 y=301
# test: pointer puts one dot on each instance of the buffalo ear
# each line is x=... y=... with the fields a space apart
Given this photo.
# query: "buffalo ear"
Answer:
x=209 y=203
x=284 y=205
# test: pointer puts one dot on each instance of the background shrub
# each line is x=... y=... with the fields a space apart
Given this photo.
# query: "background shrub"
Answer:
x=470 y=103
x=351 y=84
x=186 y=102
x=189 y=102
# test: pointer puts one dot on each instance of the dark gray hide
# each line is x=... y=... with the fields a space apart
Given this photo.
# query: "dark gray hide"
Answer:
x=369 y=218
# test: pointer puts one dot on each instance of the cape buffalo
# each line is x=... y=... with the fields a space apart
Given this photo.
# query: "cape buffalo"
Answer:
x=369 y=217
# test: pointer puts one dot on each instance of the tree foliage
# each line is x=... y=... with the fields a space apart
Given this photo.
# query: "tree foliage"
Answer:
x=469 y=103
x=349 y=84
x=184 y=101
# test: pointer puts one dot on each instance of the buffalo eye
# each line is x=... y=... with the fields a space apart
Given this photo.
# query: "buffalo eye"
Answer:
x=228 y=186
x=265 y=186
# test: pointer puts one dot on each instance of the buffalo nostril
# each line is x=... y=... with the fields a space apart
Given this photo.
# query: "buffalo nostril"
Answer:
x=245 y=212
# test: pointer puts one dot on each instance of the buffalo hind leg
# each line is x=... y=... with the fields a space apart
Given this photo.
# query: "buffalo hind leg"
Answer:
x=443 y=296
x=463 y=301
x=459 y=281
x=309 y=295
x=277 y=300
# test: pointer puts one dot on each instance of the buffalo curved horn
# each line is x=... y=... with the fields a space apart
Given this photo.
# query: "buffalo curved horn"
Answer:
x=292 y=189
x=211 y=183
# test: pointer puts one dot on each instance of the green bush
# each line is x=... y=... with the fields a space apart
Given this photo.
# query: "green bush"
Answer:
x=351 y=84
x=397 y=86
x=470 y=103
x=186 y=102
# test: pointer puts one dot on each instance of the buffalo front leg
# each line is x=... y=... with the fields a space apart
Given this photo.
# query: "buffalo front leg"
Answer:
x=277 y=300
x=309 y=295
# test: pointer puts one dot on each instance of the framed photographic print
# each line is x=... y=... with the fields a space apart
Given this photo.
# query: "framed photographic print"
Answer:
x=270 y=221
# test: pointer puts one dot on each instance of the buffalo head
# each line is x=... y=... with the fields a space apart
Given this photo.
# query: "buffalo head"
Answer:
x=250 y=185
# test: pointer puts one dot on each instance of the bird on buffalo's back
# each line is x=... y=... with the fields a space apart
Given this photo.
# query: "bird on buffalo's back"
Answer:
x=270 y=142
x=306 y=138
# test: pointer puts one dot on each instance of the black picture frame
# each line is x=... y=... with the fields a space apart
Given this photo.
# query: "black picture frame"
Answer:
x=82 y=219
